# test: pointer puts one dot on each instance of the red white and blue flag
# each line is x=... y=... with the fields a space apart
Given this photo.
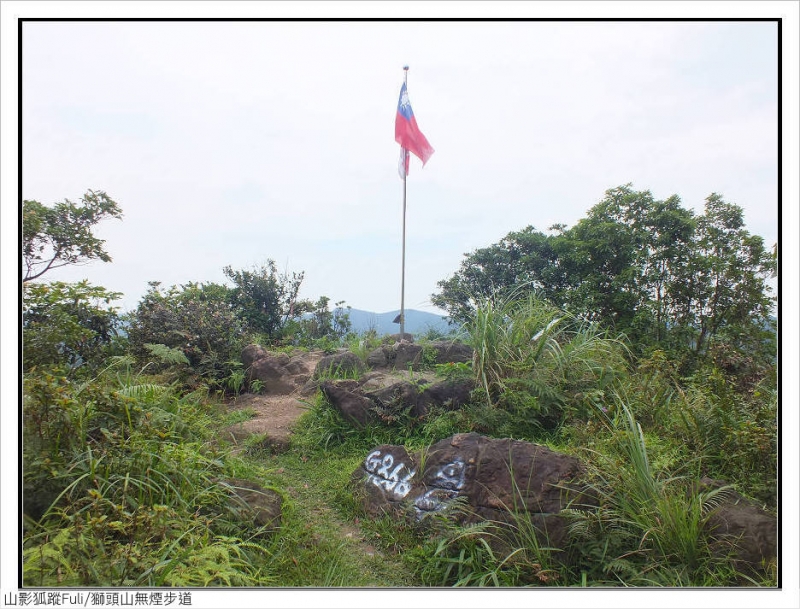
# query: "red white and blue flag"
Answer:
x=408 y=135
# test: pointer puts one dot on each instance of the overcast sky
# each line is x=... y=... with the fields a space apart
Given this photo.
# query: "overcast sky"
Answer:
x=234 y=143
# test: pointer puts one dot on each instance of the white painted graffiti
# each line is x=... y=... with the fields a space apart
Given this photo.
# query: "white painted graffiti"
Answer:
x=378 y=473
x=433 y=500
x=447 y=484
x=451 y=476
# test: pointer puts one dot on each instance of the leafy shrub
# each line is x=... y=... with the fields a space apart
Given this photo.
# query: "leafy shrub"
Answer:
x=68 y=324
x=735 y=433
x=196 y=319
x=121 y=487
x=265 y=299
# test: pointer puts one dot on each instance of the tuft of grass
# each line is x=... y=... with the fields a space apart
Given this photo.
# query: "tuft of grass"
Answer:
x=520 y=340
x=650 y=526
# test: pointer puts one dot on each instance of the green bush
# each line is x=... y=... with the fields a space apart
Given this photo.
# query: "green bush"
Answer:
x=735 y=433
x=197 y=320
x=121 y=487
x=71 y=325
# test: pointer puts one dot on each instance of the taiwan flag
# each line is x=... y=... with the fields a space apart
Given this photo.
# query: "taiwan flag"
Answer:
x=408 y=135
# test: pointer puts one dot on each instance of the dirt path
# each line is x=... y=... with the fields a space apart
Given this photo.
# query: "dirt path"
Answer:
x=276 y=413
x=355 y=560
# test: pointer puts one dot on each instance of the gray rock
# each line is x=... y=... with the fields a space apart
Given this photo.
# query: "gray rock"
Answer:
x=272 y=372
x=407 y=354
x=389 y=403
x=252 y=502
x=452 y=352
x=346 y=363
x=741 y=531
x=348 y=400
x=380 y=357
x=251 y=353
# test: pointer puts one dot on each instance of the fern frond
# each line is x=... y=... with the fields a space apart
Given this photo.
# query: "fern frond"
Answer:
x=166 y=355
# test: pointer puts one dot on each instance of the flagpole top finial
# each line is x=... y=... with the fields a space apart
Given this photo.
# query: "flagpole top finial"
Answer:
x=405 y=68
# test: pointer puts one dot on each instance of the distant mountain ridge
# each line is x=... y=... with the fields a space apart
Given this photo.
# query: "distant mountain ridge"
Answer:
x=417 y=322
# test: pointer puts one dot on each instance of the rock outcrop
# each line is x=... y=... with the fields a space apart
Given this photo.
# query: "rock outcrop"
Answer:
x=495 y=478
x=340 y=364
x=278 y=372
x=361 y=407
x=741 y=531
x=402 y=354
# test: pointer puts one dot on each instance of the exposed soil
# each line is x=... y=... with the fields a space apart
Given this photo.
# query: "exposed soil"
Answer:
x=276 y=413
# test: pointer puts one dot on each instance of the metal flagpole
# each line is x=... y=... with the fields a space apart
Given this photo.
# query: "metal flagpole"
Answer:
x=403 y=266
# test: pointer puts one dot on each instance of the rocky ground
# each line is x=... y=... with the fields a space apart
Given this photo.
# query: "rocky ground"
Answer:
x=277 y=411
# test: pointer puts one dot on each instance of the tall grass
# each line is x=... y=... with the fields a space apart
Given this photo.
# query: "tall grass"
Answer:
x=122 y=487
x=522 y=342
x=656 y=520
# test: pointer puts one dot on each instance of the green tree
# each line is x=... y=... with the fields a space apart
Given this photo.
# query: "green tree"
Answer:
x=645 y=267
x=61 y=235
x=266 y=300
x=522 y=257
x=723 y=290
x=67 y=324
x=620 y=263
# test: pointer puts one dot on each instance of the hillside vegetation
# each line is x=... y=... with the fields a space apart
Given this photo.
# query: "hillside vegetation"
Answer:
x=641 y=341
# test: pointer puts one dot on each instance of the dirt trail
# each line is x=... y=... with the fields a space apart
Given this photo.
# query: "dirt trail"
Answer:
x=276 y=413
x=274 y=417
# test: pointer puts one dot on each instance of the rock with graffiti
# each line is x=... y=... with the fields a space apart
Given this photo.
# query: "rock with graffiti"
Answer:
x=492 y=477
x=385 y=478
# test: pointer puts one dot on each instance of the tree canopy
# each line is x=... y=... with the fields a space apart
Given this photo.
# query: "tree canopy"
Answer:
x=61 y=235
x=650 y=268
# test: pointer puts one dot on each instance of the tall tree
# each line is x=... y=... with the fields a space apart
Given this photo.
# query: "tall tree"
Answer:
x=525 y=256
x=61 y=235
x=723 y=289
x=265 y=298
x=647 y=267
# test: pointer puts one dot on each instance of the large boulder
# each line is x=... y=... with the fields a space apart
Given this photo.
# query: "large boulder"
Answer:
x=449 y=394
x=251 y=353
x=390 y=403
x=407 y=354
x=402 y=354
x=741 y=531
x=396 y=399
x=271 y=371
x=385 y=479
x=496 y=478
x=279 y=373
x=398 y=356
x=448 y=351
x=340 y=364
x=346 y=397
